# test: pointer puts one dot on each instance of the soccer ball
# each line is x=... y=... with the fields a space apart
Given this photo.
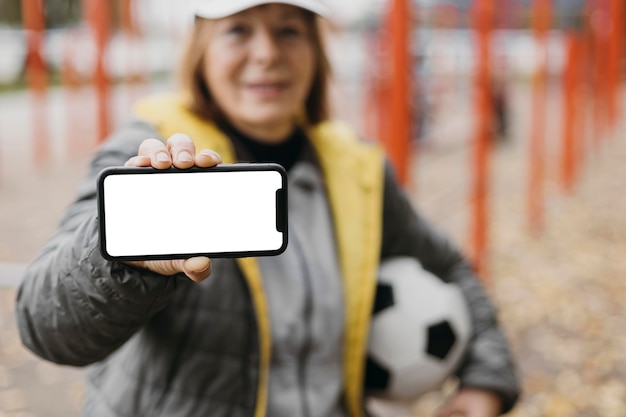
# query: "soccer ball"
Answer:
x=419 y=331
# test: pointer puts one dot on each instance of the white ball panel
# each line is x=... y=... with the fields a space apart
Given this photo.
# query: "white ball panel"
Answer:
x=427 y=375
x=395 y=342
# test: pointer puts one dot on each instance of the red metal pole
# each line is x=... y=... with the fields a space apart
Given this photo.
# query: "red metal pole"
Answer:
x=137 y=73
x=600 y=24
x=484 y=11
x=72 y=82
x=620 y=52
x=583 y=94
x=126 y=15
x=36 y=75
x=542 y=14
x=399 y=135
x=615 y=58
x=568 y=155
x=98 y=16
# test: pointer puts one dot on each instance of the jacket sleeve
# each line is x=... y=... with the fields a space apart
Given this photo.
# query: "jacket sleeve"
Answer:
x=74 y=307
x=488 y=363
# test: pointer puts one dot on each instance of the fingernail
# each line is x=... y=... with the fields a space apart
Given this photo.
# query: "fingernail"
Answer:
x=162 y=157
x=212 y=154
x=185 y=156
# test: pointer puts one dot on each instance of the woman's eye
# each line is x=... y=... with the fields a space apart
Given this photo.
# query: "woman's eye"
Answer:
x=291 y=32
x=237 y=30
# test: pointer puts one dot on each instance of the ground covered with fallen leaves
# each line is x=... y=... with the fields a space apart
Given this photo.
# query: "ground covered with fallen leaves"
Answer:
x=562 y=296
x=561 y=291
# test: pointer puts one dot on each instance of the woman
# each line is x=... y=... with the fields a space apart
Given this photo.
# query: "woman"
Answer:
x=275 y=336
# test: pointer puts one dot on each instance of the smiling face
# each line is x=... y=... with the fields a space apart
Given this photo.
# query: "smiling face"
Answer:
x=259 y=66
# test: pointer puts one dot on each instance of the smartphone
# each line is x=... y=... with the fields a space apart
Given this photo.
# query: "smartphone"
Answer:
x=230 y=210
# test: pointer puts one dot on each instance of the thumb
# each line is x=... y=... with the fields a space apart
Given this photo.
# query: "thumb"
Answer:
x=197 y=269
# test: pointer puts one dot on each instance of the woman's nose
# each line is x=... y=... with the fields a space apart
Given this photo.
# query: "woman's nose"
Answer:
x=265 y=48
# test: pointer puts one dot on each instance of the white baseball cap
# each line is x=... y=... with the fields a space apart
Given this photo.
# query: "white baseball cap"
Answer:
x=215 y=9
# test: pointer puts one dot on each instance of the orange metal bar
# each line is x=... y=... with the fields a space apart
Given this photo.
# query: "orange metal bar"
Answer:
x=618 y=35
x=37 y=76
x=615 y=59
x=600 y=24
x=568 y=155
x=399 y=134
x=484 y=12
x=137 y=72
x=72 y=82
x=583 y=95
x=98 y=16
x=126 y=15
x=542 y=13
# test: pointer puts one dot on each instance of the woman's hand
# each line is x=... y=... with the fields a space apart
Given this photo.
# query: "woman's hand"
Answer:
x=181 y=153
x=471 y=402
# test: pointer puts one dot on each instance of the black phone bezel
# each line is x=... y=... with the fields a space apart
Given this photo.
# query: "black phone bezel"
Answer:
x=281 y=209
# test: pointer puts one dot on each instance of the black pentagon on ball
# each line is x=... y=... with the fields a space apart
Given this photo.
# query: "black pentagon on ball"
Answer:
x=384 y=297
x=441 y=339
x=376 y=377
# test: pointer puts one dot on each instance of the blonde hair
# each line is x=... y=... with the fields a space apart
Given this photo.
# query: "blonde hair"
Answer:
x=200 y=101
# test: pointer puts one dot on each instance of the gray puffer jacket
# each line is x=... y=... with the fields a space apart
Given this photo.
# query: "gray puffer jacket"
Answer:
x=164 y=346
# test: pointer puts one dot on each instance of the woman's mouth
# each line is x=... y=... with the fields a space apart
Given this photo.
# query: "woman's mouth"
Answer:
x=267 y=90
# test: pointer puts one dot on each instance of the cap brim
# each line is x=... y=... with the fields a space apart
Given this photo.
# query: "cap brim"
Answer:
x=222 y=8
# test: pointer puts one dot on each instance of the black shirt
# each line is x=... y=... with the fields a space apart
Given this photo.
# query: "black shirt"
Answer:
x=285 y=153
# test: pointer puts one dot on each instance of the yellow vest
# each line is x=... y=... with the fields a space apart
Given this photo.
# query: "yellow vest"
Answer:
x=353 y=172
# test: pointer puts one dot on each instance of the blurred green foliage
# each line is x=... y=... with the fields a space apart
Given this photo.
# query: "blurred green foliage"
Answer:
x=58 y=13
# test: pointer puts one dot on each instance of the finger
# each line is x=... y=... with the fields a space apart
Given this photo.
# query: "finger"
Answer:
x=207 y=158
x=182 y=150
x=138 y=161
x=162 y=267
x=157 y=152
x=197 y=269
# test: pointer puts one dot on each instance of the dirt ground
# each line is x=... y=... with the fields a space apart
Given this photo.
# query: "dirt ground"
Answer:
x=559 y=292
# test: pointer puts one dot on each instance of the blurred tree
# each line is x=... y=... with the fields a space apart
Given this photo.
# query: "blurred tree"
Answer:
x=59 y=13
x=11 y=12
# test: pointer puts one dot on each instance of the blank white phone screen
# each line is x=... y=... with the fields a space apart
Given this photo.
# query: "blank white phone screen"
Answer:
x=193 y=212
